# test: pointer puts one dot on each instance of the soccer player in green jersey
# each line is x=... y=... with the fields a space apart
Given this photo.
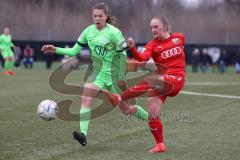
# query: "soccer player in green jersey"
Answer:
x=6 y=51
x=109 y=65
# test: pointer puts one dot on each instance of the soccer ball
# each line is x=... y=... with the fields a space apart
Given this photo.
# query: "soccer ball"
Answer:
x=47 y=110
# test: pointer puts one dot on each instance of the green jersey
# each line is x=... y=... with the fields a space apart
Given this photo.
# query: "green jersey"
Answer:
x=6 y=42
x=106 y=55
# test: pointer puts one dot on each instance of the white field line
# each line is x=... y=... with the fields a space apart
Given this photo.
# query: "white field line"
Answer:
x=210 y=95
x=211 y=83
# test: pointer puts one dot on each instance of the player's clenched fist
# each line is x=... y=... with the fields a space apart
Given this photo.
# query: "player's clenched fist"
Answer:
x=48 y=49
x=131 y=42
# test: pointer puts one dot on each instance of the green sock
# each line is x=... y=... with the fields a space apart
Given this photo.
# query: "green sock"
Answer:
x=6 y=65
x=85 y=115
x=11 y=64
x=141 y=113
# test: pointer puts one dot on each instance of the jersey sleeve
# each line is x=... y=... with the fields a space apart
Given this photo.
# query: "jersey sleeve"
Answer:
x=69 y=51
x=145 y=53
x=11 y=43
x=83 y=37
x=118 y=40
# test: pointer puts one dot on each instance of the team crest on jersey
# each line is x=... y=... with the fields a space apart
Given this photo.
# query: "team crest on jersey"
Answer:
x=175 y=40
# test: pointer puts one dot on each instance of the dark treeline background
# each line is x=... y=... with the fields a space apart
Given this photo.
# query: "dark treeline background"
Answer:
x=60 y=22
x=63 y=20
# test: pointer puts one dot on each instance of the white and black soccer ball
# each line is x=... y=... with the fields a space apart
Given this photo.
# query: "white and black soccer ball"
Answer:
x=47 y=110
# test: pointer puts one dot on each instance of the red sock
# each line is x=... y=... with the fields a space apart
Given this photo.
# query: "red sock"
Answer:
x=156 y=127
x=135 y=91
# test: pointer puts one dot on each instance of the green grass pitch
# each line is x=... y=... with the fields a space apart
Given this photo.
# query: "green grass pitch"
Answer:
x=195 y=127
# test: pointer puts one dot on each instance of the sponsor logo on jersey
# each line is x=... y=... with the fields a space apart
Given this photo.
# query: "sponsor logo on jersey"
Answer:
x=175 y=40
x=171 y=52
x=101 y=51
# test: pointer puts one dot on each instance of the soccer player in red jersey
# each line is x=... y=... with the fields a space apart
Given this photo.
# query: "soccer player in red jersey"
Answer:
x=167 y=51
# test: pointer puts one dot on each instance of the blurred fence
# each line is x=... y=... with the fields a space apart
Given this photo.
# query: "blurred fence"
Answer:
x=233 y=51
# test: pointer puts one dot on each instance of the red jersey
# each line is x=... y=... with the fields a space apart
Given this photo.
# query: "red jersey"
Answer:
x=168 y=53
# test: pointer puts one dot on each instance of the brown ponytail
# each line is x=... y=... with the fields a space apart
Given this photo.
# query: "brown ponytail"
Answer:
x=111 y=20
x=105 y=8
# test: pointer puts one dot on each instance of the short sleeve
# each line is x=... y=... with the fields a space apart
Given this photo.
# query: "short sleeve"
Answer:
x=119 y=40
x=83 y=37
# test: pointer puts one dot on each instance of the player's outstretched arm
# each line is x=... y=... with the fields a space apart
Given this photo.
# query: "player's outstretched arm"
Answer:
x=131 y=43
x=62 y=51
x=48 y=49
x=145 y=53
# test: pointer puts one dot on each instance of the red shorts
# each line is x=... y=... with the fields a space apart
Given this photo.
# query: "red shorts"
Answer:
x=176 y=83
x=170 y=85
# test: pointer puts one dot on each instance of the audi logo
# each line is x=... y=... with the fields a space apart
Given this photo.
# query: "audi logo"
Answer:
x=171 y=52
